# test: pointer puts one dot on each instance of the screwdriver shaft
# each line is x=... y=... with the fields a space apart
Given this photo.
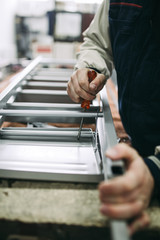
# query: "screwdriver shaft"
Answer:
x=80 y=129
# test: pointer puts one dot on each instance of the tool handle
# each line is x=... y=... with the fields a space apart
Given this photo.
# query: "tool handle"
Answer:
x=91 y=76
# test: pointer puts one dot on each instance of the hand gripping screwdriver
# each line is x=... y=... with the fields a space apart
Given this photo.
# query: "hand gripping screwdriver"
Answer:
x=86 y=103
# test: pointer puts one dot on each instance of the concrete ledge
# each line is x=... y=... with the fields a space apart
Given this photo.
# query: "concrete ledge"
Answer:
x=49 y=209
x=58 y=206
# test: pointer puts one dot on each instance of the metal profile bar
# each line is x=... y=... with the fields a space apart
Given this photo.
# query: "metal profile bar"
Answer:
x=109 y=137
x=58 y=69
x=54 y=73
x=44 y=106
x=46 y=134
x=57 y=61
x=49 y=78
x=108 y=140
x=44 y=92
x=48 y=129
x=49 y=113
x=48 y=106
x=10 y=90
x=53 y=69
x=56 y=116
x=43 y=84
x=53 y=176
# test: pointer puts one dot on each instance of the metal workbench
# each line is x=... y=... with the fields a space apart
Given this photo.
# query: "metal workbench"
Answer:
x=36 y=97
x=46 y=147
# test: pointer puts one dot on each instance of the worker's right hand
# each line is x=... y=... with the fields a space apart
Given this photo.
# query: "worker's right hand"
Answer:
x=79 y=87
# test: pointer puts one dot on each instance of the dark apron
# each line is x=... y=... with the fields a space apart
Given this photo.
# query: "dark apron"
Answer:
x=136 y=53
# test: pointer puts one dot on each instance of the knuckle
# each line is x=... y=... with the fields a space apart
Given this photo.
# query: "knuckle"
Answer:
x=68 y=89
x=102 y=78
x=69 y=84
x=77 y=73
x=78 y=91
x=137 y=208
x=76 y=99
x=81 y=82
x=72 y=78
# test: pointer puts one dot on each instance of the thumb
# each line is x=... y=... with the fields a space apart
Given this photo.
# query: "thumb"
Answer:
x=97 y=84
x=122 y=151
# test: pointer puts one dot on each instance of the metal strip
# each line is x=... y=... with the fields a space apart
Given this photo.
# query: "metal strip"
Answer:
x=46 y=134
x=49 y=113
x=69 y=62
x=49 y=78
x=108 y=140
x=44 y=176
x=109 y=137
x=10 y=90
x=48 y=106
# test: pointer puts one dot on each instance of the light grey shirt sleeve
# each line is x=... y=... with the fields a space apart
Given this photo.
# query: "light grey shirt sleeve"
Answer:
x=95 y=52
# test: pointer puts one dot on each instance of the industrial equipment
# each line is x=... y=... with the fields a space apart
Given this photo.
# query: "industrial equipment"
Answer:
x=41 y=141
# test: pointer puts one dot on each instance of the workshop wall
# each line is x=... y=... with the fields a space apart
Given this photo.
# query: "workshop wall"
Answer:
x=7 y=39
x=28 y=27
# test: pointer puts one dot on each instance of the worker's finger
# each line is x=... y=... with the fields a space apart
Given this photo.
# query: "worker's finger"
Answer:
x=76 y=93
x=129 y=197
x=81 y=76
x=73 y=87
x=72 y=94
x=119 y=185
x=97 y=84
x=122 y=211
x=122 y=151
x=140 y=222
x=83 y=94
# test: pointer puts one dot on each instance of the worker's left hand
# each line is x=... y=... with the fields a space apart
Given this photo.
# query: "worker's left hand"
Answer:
x=127 y=196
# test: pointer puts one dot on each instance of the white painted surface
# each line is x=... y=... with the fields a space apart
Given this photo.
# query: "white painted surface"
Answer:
x=7 y=26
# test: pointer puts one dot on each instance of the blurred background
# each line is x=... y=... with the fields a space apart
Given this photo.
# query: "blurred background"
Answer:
x=50 y=28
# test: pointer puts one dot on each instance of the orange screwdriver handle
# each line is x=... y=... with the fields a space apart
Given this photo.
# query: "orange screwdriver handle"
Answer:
x=91 y=76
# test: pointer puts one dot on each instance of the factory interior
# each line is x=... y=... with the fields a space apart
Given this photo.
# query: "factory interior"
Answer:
x=43 y=28
x=50 y=169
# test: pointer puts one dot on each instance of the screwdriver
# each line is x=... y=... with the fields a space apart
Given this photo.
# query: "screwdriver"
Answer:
x=86 y=103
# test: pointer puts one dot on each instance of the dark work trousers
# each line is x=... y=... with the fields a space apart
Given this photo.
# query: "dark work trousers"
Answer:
x=136 y=53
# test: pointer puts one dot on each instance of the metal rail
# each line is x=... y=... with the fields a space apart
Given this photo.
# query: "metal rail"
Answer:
x=111 y=168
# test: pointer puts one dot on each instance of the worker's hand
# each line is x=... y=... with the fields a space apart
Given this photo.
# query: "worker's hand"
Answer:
x=127 y=196
x=139 y=222
x=79 y=87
